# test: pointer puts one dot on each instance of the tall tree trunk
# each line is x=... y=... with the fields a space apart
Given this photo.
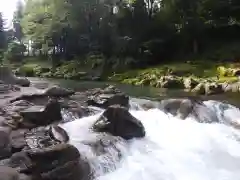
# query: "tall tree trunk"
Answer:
x=195 y=46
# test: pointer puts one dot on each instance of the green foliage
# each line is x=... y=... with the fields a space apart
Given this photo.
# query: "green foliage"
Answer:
x=15 y=52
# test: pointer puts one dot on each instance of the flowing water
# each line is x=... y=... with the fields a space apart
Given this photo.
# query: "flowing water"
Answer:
x=173 y=149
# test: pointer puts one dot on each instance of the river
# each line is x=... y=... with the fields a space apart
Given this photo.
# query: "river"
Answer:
x=173 y=149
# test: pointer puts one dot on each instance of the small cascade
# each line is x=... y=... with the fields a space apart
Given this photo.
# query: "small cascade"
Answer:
x=173 y=149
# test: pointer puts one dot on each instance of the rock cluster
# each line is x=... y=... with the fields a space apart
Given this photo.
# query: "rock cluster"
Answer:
x=33 y=146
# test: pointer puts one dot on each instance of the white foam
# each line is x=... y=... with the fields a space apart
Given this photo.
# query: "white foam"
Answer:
x=173 y=149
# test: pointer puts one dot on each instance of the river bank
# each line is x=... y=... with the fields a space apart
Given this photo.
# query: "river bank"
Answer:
x=50 y=132
x=200 y=77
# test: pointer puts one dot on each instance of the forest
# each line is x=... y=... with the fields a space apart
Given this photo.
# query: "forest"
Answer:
x=120 y=35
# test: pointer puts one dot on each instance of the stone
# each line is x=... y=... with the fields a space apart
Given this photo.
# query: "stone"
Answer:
x=58 y=92
x=41 y=116
x=177 y=107
x=183 y=108
x=61 y=161
x=117 y=121
x=8 y=173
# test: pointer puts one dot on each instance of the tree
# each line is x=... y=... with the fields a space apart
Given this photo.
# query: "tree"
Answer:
x=2 y=38
x=17 y=17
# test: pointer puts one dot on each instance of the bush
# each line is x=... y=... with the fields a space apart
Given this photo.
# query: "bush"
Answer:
x=15 y=52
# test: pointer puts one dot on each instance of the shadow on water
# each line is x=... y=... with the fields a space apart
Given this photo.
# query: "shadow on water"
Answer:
x=143 y=92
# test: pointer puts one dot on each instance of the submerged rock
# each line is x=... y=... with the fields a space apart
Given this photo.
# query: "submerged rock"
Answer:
x=117 y=121
x=183 y=108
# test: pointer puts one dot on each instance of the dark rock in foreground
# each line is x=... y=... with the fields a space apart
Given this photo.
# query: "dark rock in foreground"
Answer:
x=56 y=162
x=117 y=121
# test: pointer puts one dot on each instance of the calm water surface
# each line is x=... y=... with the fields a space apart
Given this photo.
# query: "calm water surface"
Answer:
x=142 y=92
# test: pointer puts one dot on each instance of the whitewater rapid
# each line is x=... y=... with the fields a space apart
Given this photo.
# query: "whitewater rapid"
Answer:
x=173 y=149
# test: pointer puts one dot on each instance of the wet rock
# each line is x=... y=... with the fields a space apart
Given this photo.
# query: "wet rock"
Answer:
x=170 y=82
x=177 y=107
x=117 y=121
x=40 y=115
x=104 y=144
x=5 y=146
x=75 y=108
x=183 y=108
x=43 y=137
x=7 y=76
x=58 y=134
x=190 y=83
x=7 y=173
x=56 y=162
x=58 y=92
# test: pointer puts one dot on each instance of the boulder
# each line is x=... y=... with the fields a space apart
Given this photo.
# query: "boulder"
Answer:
x=61 y=161
x=183 y=108
x=40 y=115
x=170 y=82
x=117 y=121
x=177 y=107
x=58 y=92
x=7 y=76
